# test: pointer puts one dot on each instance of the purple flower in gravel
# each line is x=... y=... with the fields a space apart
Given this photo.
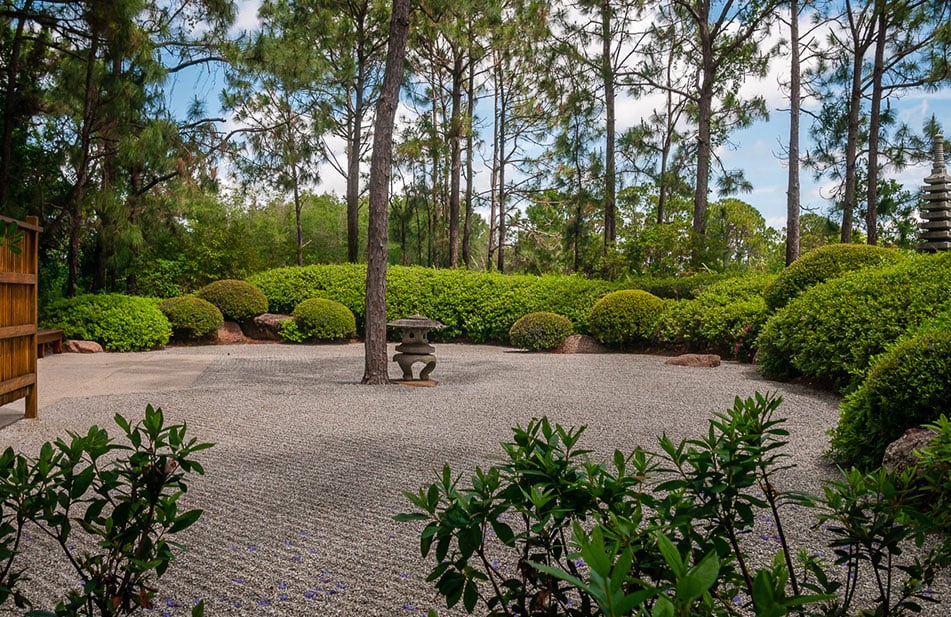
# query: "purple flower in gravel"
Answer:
x=171 y=603
x=238 y=580
x=737 y=600
x=764 y=536
x=282 y=586
x=579 y=563
x=310 y=595
x=283 y=597
x=295 y=558
x=341 y=586
x=409 y=607
x=251 y=547
x=302 y=534
x=287 y=542
x=236 y=604
x=312 y=552
x=165 y=614
x=264 y=603
x=404 y=575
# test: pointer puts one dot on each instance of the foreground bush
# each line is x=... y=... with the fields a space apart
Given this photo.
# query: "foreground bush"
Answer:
x=191 y=317
x=550 y=532
x=625 y=317
x=822 y=264
x=906 y=386
x=476 y=306
x=237 y=300
x=115 y=321
x=724 y=318
x=539 y=331
x=831 y=331
x=319 y=319
x=122 y=499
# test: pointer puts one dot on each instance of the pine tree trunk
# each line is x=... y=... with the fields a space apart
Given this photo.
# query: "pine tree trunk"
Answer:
x=455 y=159
x=375 y=371
x=607 y=76
x=875 y=123
x=793 y=191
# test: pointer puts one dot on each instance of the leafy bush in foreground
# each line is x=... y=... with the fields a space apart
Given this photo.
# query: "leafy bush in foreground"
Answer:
x=549 y=531
x=237 y=300
x=906 y=386
x=191 y=317
x=723 y=318
x=832 y=330
x=541 y=330
x=319 y=319
x=822 y=264
x=128 y=507
x=625 y=317
x=117 y=322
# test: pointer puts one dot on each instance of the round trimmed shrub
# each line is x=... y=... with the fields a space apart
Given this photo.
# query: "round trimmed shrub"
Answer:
x=191 y=317
x=906 y=386
x=115 y=321
x=625 y=317
x=831 y=331
x=540 y=330
x=822 y=264
x=319 y=319
x=237 y=300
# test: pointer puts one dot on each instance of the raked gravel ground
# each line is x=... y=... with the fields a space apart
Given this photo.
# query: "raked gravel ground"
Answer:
x=309 y=466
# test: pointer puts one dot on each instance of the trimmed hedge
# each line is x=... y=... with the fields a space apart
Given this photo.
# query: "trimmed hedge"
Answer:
x=115 y=321
x=238 y=301
x=724 y=318
x=831 y=331
x=191 y=317
x=475 y=306
x=319 y=319
x=824 y=263
x=540 y=330
x=906 y=386
x=626 y=317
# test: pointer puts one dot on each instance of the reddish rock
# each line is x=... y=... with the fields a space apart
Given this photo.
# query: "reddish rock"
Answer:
x=82 y=347
x=581 y=343
x=900 y=454
x=701 y=360
x=266 y=327
x=230 y=334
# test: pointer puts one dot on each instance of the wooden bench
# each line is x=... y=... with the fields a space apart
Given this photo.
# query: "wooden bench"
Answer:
x=53 y=338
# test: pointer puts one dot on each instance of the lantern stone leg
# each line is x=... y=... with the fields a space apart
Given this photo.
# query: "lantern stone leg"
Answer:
x=407 y=360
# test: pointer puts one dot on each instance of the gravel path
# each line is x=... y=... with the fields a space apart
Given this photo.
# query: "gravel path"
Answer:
x=309 y=466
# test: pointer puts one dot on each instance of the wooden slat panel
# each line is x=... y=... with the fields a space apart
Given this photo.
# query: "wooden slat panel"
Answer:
x=17 y=278
x=17 y=382
x=31 y=224
x=17 y=331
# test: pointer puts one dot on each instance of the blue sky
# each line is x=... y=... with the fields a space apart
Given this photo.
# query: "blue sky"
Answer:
x=758 y=149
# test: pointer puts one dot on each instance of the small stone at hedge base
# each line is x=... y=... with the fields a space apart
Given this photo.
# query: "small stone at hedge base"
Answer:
x=267 y=327
x=701 y=360
x=229 y=334
x=82 y=347
x=582 y=343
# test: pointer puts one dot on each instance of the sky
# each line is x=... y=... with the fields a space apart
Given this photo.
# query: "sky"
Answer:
x=757 y=150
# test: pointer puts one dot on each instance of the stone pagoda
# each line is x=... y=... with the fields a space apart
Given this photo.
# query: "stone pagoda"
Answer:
x=936 y=211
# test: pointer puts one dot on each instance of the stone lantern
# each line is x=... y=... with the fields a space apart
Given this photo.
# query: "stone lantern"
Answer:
x=415 y=346
x=936 y=211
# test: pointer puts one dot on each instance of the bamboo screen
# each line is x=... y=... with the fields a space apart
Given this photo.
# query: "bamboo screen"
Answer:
x=18 y=313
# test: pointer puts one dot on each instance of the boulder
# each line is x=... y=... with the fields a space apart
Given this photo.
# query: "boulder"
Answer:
x=900 y=454
x=266 y=327
x=701 y=360
x=82 y=347
x=230 y=334
x=581 y=343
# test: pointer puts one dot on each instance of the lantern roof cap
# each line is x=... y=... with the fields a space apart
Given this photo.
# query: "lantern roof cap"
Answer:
x=416 y=321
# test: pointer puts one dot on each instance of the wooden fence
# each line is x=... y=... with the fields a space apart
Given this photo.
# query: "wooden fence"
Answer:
x=18 y=313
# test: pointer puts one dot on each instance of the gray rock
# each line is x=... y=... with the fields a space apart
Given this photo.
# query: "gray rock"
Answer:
x=900 y=454
x=701 y=360
x=82 y=347
x=266 y=327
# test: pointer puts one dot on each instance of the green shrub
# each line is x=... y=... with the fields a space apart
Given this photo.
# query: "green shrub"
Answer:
x=906 y=386
x=824 y=263
x=625 y=317
x=540 y=330
x=550 y=531
x=933 y=474
x=191 y=317
x=319 y=319
x=680 y=287
x=238 y=301
x=117 y=322
x=724 y=318
x=831 y=331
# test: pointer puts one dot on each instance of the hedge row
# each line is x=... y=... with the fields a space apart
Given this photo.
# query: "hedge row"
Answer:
x=475 y=306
